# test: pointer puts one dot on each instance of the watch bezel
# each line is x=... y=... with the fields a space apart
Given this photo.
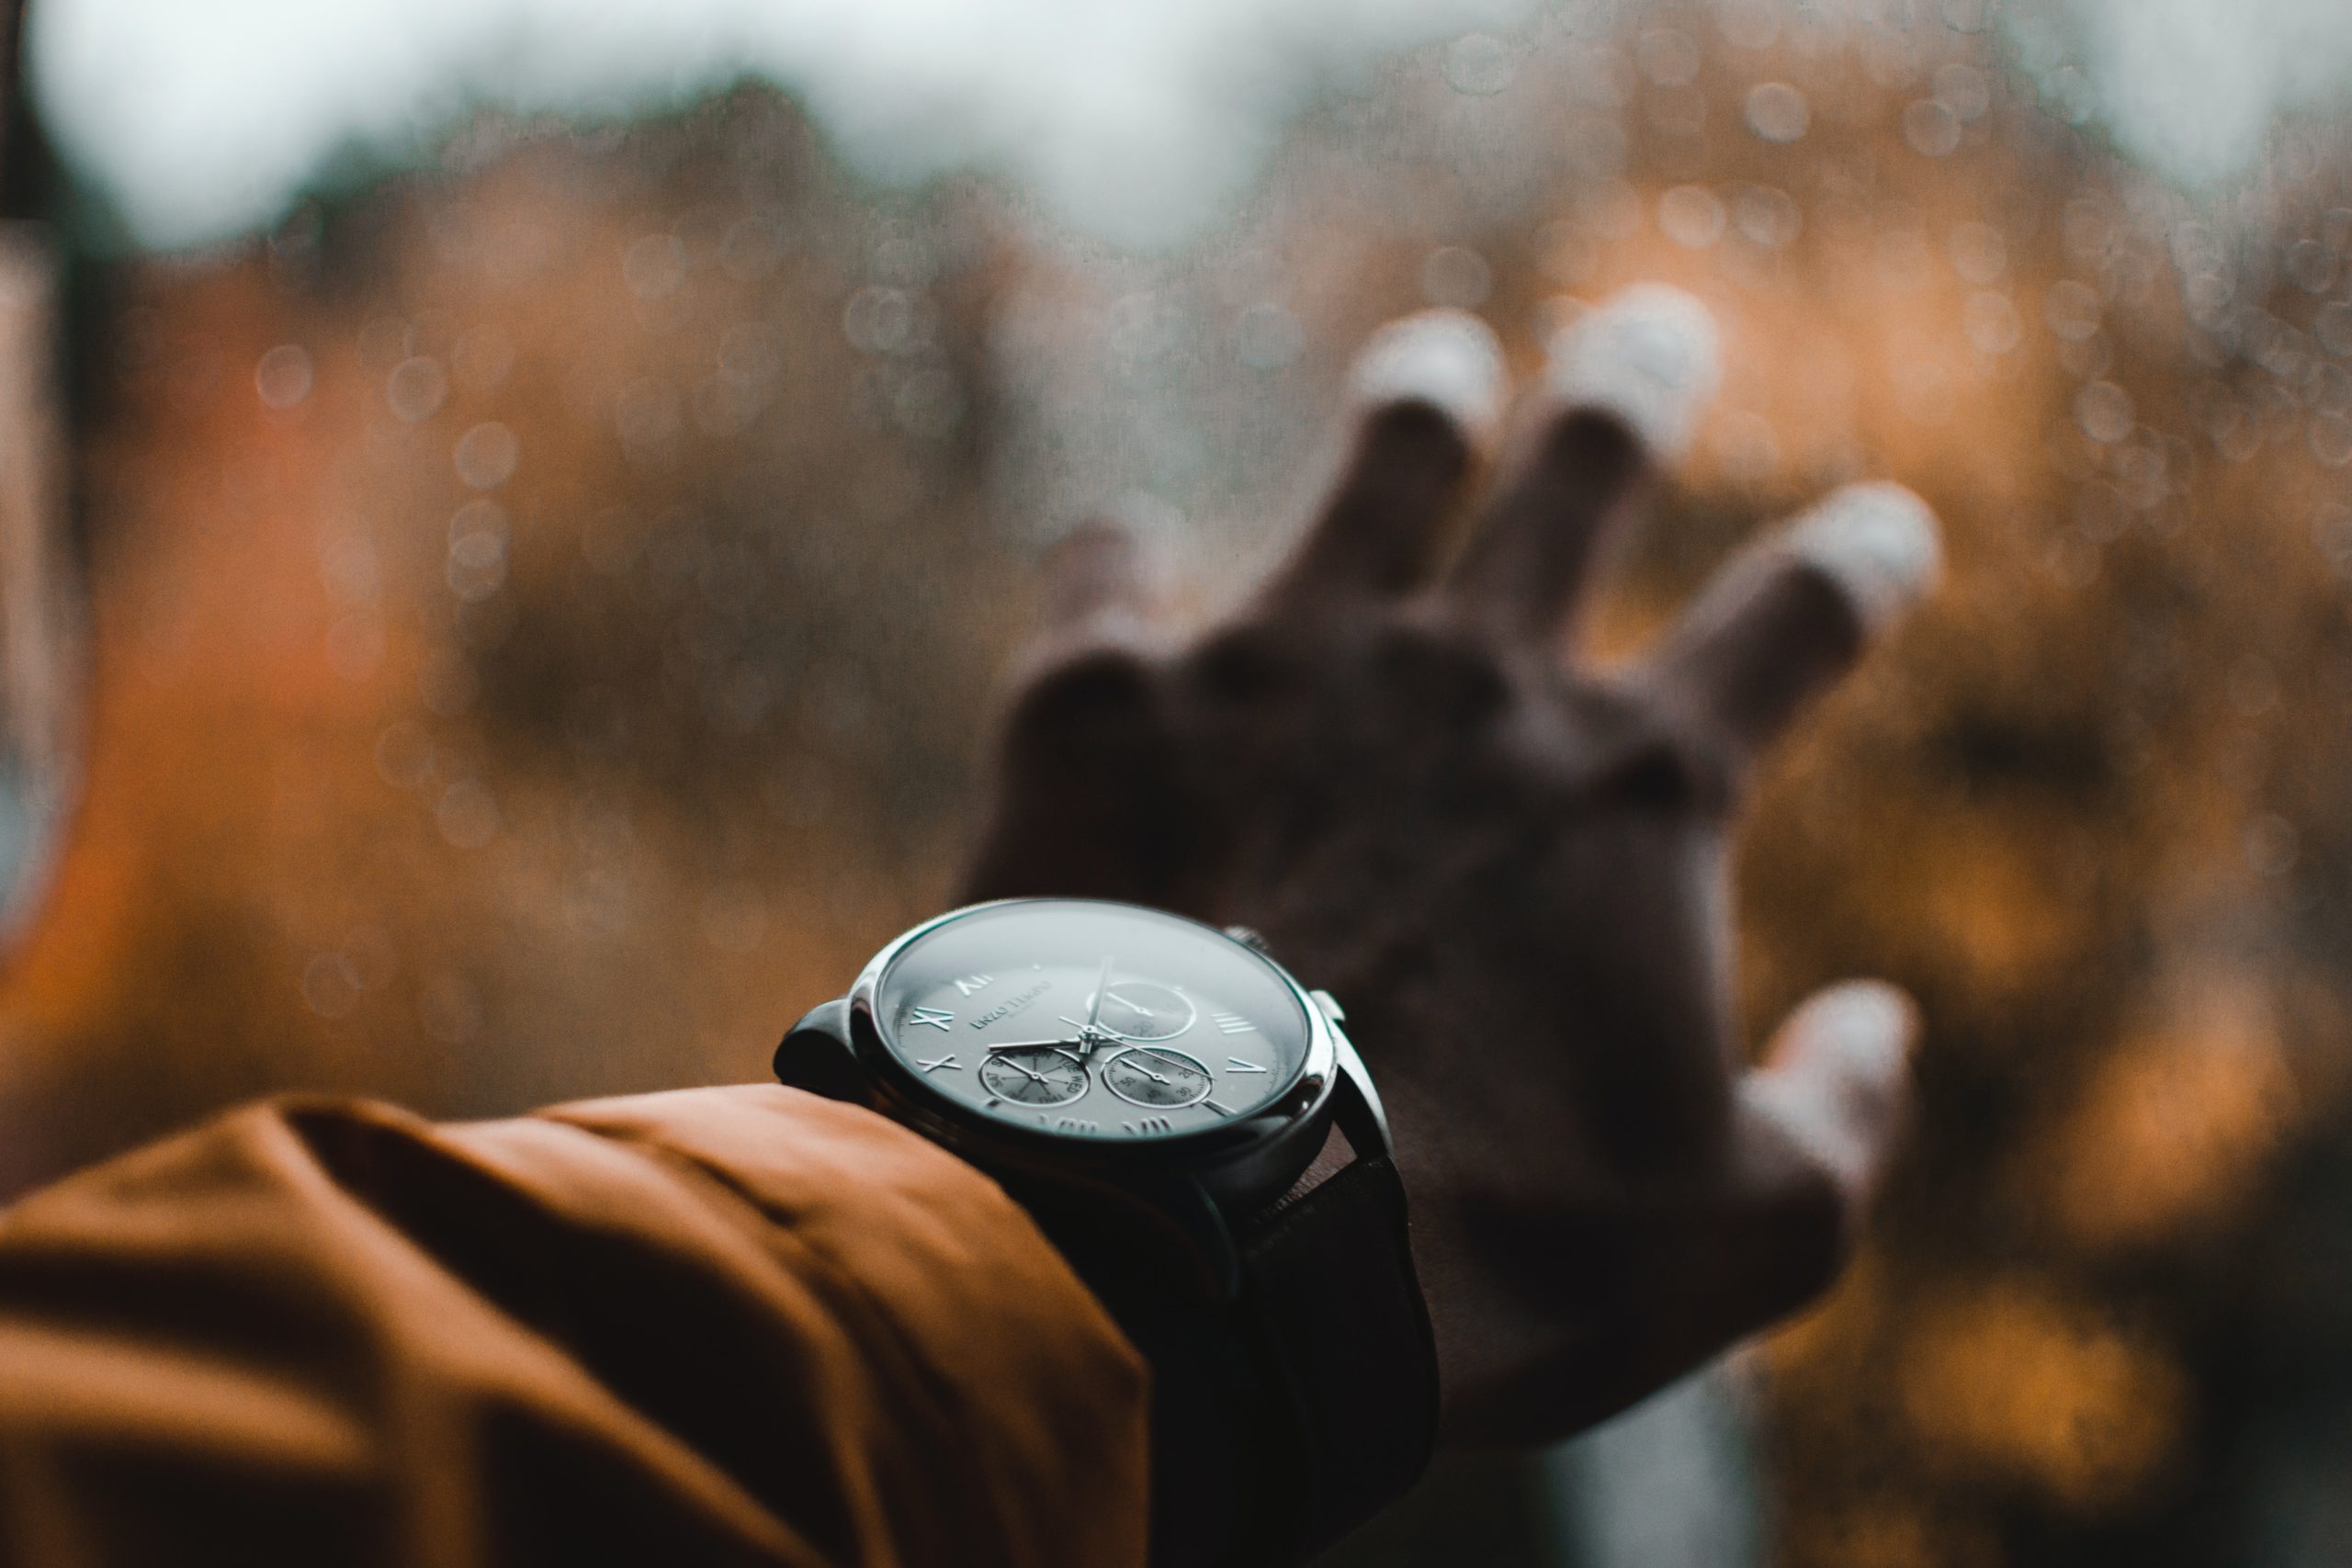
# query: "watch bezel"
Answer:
x=973 y=1131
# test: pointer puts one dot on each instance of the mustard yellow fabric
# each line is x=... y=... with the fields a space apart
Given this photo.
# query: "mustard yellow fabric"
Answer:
x=721 y=1326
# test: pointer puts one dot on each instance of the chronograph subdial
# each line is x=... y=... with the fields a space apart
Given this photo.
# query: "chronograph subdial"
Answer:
x=1145 y=1009
x=1042 y=1076
x=1158 y=1077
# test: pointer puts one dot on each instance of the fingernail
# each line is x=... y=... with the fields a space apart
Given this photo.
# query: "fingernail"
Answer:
x=1650 y=353
x=1877 y=538
x=1449 y=359
x=1862 y=1018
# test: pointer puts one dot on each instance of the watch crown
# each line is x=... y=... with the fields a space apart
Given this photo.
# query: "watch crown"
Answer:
x=1330 y=1006
x=1248 y=939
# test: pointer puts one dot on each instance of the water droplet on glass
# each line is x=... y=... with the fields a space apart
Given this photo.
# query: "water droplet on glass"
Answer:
x=2312 y=265
x=878 y=319
x=355 y=644
x=2332 y=532
x=1964 y=89
x=1267 y=337
x=1751 y=24
x=2104 y=411
x=1978 y=252
x=654 y=266
x=1457 y=275
x=1566 y=254
x=734 y=919
x=1479 y=65
x=347 y=566
x=486 y=455
x=1903 y=259
x=2333 y=327
x=1890 y=59
x=2072 y=310
x=1766 y=217
x=484 y=355
x=1991 y=322
x=283 y=377
x=1691 y=216
x=416 y=388
x=1778 y=112
x=648 y=416
x=722 y=407
x=751 y=357
x=446 y=682
x=449 y=1009
x=1613 y=211
x=1596 y=147
x=467 y=814
x=403 y=756
x=1602 y=77
x=1666 y=58
x=383 y=343
x=2271 y=846
x=479 y=515
x=2068 y=94
x=1930 y=127
x=928 y=404
x=477 y=566
x=2331 y=439
x=751 y=249
x=1677 y=111
x=330 y=985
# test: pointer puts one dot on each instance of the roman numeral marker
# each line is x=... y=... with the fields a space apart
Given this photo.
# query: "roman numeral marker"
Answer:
x=1239 y=1066
x=971 y=983
x=932 y=1067
x=1234 y=1024
x=931 y=1018
x=1149 y=1124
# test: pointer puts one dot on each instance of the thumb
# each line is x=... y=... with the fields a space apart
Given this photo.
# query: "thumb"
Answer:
x=1836 y=1077
x=1817 y=1123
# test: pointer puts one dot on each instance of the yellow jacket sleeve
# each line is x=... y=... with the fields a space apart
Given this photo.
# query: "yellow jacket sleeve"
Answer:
x=726 y=1325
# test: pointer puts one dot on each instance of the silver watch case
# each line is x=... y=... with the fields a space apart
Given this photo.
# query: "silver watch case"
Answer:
x=1189 y=1180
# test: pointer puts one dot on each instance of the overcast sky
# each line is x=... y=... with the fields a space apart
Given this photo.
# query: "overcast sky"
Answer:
x=1138 y=121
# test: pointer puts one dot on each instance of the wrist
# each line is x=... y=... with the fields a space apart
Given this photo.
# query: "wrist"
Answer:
x=1249 y=1407
x=1160 y=1148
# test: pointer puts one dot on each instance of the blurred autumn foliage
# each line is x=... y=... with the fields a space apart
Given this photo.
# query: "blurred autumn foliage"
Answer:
x=544 y=611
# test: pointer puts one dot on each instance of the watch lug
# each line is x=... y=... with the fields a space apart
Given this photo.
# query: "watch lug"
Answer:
x=815 y=1055
x=1359 y=1113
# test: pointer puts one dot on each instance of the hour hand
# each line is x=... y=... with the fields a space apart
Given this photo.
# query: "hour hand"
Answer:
x=1031 y=1044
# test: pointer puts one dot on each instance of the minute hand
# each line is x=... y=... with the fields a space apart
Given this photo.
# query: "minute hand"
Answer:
x=1030 y=1044
x=1101 y=984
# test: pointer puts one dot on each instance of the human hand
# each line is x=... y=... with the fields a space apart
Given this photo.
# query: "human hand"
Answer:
x=1511 y=867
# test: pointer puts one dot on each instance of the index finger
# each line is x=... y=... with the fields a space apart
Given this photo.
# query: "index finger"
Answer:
x=1429 y=387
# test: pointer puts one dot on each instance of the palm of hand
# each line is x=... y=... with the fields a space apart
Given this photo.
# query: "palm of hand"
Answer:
x=1512 y=870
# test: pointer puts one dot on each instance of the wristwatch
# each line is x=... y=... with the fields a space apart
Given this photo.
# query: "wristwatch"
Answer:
x=1156 y=1091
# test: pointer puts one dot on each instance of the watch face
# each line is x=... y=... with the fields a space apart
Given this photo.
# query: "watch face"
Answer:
x=1092 y=1020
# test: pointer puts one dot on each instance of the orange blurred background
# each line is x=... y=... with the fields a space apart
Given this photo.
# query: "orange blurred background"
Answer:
x=542 y=611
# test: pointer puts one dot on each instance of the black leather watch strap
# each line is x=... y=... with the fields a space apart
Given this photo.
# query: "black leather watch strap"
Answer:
x=1344 y=1337
x=1286 y=1416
